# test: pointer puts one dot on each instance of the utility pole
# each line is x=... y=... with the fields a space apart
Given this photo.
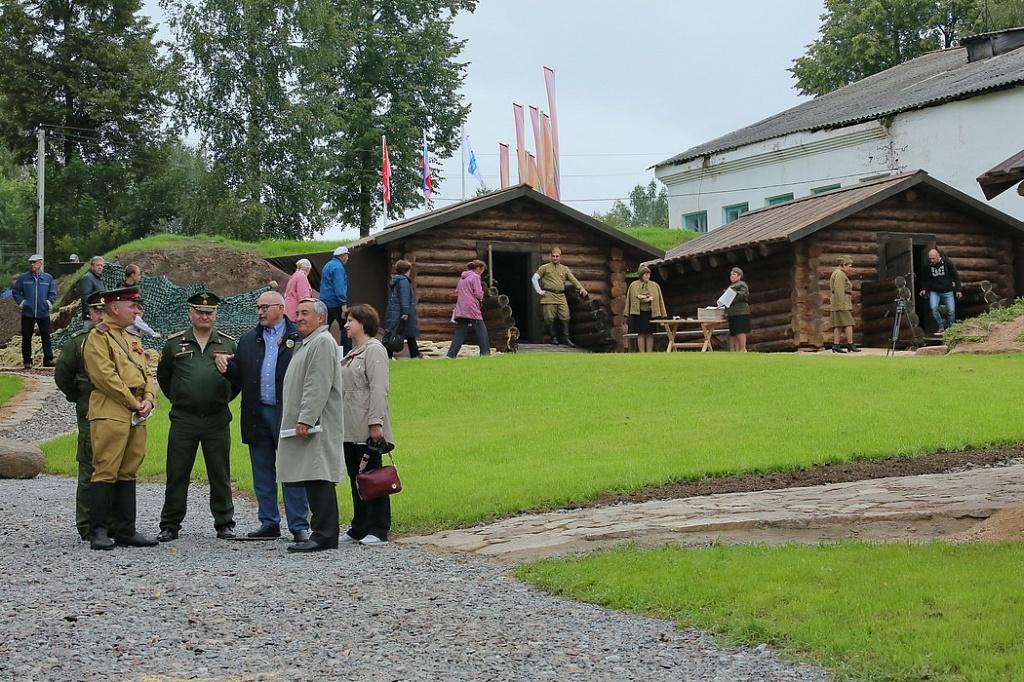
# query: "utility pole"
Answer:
x=40 y=187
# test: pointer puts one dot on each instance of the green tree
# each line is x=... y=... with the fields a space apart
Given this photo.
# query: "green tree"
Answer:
x=89 y=74
x=997 y=14
x=292 y=98
x=17 y=215
x=648 y=207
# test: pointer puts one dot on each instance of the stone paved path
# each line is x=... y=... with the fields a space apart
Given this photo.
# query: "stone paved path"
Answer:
x=922 y=506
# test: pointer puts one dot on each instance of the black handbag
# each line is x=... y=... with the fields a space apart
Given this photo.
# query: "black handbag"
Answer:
x=394 y=339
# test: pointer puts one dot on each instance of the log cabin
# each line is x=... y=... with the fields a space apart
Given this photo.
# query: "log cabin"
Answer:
x=512 y=230
x=788 y=252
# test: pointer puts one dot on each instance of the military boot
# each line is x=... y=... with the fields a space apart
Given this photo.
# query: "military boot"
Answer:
x=565 y=333
x=550 y=329
x=100 y=496
x=124 y=511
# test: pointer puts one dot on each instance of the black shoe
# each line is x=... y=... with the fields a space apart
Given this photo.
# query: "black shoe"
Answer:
x=265 y=533
x=226 y=533
x=27 y=365
x=310 y=545
x=852 y=347
x=49 y=363
x=301 y=536
x=166 y=535
x=836 y=348
x=135 y=540
x=98 y=539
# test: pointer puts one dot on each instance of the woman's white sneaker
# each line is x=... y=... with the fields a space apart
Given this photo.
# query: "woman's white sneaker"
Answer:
x=372 y=540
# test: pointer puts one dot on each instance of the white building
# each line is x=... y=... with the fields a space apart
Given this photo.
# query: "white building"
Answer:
x=954 y=113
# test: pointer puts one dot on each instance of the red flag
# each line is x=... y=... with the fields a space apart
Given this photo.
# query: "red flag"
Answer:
x=540 y=182
x=503 y=164
x=523 y=165
x=555 y=162
x=551 y=186
x=386 y=171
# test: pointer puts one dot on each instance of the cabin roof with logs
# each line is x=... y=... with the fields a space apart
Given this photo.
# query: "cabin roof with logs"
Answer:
x=788 y=252
x=513 y=231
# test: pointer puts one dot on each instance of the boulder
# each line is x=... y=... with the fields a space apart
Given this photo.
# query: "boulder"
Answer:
x=20 y=460
x=933 y=350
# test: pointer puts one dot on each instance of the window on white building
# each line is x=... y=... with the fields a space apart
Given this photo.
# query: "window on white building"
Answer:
x=781 y=199
x=731 y=213
x=826 y=188
x=698 y=222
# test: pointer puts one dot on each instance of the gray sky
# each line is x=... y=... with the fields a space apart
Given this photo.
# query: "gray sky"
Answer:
x=637 y=82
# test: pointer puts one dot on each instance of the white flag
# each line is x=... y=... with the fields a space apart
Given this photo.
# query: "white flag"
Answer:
x=469 y=160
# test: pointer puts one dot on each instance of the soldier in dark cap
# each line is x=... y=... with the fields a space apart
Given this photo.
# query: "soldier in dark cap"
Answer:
x=199 y=396
x=73 y=382
x=122 y=398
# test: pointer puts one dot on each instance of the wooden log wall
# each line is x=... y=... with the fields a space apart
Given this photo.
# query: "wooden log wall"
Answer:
x=439 y=257
x=980 y=252
x=768 y=271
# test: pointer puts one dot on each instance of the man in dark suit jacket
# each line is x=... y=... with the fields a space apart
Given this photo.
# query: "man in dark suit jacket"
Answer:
x=257 y=369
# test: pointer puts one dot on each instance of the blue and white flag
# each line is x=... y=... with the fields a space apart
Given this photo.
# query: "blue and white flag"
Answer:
x=469 y=160
x=428 y=181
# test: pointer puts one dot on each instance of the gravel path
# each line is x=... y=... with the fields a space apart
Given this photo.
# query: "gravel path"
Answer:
x=208 y=609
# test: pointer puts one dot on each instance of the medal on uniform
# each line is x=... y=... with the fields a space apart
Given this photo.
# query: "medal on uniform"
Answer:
x=290 y=343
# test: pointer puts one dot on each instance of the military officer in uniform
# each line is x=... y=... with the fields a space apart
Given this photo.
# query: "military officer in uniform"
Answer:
x=74 y=383
x=199 y=396
x=122 y=399
x=550 y=282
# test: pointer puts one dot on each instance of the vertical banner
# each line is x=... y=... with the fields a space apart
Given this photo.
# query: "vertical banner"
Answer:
x=428 y=182
x=550 y=188
x=469 y=161
x=503 y=164
x=549 y=83
x=386 y=173
x=531 y=164
x=540 y=182
x=523 y=166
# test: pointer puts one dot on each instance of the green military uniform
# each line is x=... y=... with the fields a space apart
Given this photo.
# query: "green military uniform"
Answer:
x=116 y=365
x=73 y=382
x=199 y=415
x=553 y=280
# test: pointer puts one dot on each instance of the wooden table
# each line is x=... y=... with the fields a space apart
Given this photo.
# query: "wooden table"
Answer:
x=707 y=327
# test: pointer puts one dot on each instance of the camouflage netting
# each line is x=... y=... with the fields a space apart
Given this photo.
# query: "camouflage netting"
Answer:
x=166 y=308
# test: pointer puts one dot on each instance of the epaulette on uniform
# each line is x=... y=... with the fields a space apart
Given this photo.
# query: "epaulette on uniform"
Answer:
x=102 y=327
x=176 y=334
x=227 y=336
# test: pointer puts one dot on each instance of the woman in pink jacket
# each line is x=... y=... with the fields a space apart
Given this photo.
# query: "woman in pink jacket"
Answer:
x=470 y=292
x=298 y=288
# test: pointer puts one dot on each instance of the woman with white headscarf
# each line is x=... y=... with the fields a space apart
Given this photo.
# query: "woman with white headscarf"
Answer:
x=298 y=288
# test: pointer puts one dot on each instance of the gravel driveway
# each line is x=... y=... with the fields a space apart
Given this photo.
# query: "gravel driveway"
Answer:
x=206 y=609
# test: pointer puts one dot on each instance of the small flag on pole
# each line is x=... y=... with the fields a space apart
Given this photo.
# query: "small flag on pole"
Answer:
x=469 y=160
x=503 y=164
x=386 y=170
x=428 y=184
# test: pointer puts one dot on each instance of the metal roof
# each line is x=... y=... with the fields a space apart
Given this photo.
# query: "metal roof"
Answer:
x=932 y=79
x=409 y=227
x=1004 y=176
x=795 y=220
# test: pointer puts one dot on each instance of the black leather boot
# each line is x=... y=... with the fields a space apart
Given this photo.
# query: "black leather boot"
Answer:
x=100 y=496
x=124 y=512
x=836 y=348
x=565 y=333
x=550 y=329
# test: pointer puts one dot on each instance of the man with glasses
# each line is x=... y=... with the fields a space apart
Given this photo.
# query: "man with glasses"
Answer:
x=257 y=370
x=199 y=396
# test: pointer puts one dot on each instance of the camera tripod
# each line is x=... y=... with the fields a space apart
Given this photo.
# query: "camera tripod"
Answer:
x=901 y=314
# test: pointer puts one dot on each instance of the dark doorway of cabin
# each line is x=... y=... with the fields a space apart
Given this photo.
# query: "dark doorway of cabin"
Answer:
x=512 y=273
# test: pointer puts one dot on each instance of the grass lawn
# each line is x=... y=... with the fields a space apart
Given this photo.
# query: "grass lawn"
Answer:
x=484 y=437
x=936 y=612
x=10 y=386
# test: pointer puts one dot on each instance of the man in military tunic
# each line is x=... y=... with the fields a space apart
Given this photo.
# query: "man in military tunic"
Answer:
x=74 y=383
x=122 y=399
x=550 y=282
x=199 y=396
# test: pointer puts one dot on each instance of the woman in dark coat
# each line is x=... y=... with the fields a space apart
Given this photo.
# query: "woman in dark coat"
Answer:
x=401 y=307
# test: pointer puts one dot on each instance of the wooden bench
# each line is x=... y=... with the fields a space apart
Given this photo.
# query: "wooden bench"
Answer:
x=720 y=337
